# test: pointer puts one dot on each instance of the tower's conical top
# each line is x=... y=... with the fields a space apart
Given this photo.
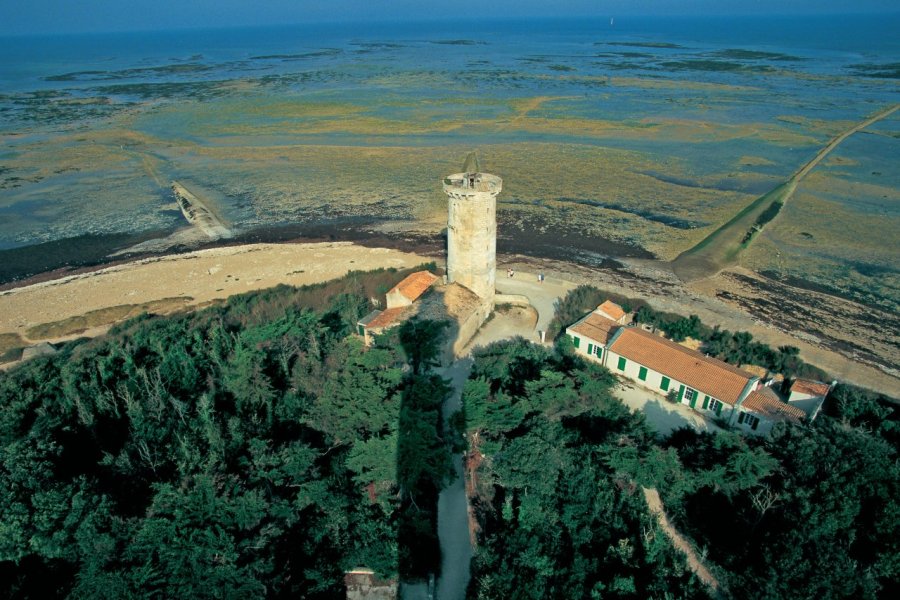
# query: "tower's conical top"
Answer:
x=471 y=164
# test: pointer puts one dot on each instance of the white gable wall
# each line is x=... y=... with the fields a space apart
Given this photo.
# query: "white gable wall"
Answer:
x=586 y=347
x=745 y=425
x=806 y=402
x=395 y=298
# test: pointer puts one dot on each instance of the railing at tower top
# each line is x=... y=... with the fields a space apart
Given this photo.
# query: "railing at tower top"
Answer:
x=474 y=182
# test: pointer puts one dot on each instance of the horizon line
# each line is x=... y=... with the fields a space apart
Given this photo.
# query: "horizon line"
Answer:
x=438 y=20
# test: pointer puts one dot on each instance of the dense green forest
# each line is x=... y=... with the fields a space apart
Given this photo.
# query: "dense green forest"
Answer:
x=811 y=512
x=256 y=449
x=252 y=449
x=558 y=519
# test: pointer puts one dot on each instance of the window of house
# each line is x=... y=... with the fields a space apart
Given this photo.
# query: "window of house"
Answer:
x=642 y=373
x=622 y=362
x=715 y=405
x=690 y=394
x=664 y=384
x=749 y=420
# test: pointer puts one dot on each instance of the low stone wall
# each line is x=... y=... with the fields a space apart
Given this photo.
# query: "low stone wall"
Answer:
x=514 y=299
x=469 y=326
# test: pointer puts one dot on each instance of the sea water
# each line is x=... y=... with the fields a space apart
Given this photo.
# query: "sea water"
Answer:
x=180 y=87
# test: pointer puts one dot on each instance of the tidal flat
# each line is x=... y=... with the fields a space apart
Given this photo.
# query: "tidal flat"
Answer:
x=636 y=141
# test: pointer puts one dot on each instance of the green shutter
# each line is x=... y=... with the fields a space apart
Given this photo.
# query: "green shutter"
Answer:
x=590 y=348
x=664 y=384
x=361 y=329
x=680 y=393
x=718 y=409
x=576 y=340
x=642 y=373
x=694 y=400
x=599 y=350
x=622 y=362
x=741 y=417
x=705 y=402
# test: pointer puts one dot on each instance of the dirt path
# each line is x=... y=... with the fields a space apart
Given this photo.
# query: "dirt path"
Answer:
x=654 y=503
x=722 y=247
x=453 y=506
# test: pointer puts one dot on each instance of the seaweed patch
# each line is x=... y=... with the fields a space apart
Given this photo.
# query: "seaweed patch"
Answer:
x=666 y=220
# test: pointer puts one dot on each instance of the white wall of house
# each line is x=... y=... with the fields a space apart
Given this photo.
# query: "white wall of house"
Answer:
x=394 y=299
x=806 y=402
x=654 y=381
x=662 y=384
x=586 y=347
x=745 y=425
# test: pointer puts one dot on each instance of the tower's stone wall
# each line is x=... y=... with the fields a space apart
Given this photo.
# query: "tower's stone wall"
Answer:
x=472 y=231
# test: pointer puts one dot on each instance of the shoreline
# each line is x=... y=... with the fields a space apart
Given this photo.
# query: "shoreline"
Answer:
x=190 y=280
x=336 y=232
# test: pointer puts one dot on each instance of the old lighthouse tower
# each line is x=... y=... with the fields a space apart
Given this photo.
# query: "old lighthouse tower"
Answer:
x=472 y=228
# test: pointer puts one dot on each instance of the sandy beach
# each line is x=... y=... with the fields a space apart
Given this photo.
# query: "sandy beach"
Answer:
x=196 y=278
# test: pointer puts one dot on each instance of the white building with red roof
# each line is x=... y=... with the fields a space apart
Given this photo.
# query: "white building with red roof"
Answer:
x=708 y=385
x=410 y=289
x=399 y=300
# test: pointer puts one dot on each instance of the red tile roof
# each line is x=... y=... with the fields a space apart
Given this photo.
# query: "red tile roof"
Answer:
x=596 y=327
x=415 y=284
x=612 y=310
x=766 y=403
x=807 y=386
x=703 y=373
x=386 y=318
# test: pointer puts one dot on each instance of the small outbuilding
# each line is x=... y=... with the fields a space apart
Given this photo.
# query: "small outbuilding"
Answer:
x=362 y=584
x=410 y=289
x=809 y=395
x=41 y=349
x=400 y=300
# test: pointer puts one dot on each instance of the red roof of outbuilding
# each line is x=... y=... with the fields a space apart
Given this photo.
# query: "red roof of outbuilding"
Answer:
x=596 y=327
x=415 y=284
x=611 y=309
x=385 y=318
x=766 y=403
x=808 y=386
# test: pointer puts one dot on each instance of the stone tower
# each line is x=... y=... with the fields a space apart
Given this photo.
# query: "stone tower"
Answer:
x=472 y=228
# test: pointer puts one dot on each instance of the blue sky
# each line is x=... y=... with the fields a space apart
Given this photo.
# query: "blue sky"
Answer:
x=68 y=16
